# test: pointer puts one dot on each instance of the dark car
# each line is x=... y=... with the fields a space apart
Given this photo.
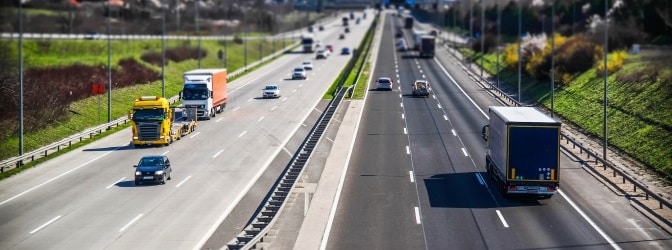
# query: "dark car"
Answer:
x=153 y=168
x=320 y=28
x=329 y=47
x=347 y=30
x=341 y=36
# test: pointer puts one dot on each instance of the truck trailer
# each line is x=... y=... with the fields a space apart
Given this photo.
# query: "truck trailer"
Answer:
x=427 y=46
x=205 y=90
x=154 y=122
x=523 y=151
x=308 y=43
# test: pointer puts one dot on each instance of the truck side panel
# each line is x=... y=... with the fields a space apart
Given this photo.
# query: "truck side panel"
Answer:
x=497 y=143
x=219 y=95
x=531 y=153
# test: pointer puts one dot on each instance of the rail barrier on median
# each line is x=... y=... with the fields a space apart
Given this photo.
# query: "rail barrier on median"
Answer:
x=18 y=161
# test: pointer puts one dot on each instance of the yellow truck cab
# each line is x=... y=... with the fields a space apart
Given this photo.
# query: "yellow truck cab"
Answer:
x=154 y=122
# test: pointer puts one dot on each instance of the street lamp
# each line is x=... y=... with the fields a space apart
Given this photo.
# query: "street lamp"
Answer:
x=482 y=36
x=520 y=38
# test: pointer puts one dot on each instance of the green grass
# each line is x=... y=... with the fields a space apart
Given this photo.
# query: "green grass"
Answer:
x=85 y=112
x=639 y=117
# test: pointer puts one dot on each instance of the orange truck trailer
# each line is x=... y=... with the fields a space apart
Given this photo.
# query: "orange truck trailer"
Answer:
x=205 y=90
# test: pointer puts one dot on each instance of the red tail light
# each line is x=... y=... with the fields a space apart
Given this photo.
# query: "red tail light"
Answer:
x=512 y=187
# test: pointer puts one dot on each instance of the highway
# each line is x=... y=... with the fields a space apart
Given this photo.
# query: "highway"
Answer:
x=416 y=179
x=86 y=199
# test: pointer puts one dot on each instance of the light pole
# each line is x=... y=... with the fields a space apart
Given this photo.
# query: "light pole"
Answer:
x=198 y=33
x=163 y=50
x=109 y=65
x=552 y=59
x=245 y=38
x=606 y=72
x=499 y=31
x=20 y=80
x=520 y=38
x=482 y=36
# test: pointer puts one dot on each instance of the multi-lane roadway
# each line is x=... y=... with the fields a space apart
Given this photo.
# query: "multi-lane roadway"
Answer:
x=86 y=199
x=417 y=180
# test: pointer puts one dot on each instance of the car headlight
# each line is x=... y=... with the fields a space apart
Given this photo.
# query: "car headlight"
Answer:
x=160 y=172
x=138 y=173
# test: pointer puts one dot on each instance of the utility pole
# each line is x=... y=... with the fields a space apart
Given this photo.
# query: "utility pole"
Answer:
x=163 y=51
x=198 y=33
x=520 y=38
x=20 y=80
x=109 y=65
x=482 y=36
x=552 y=59
x=606 y=72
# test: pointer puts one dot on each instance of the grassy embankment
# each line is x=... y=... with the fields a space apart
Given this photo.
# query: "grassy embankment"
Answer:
x=84 y=113
x=639 y=118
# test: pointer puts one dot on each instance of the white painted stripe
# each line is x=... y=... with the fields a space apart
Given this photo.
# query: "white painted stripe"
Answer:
x=220 y=151
x=183 y=181
x=453 y=131
x=284 y=99
x=243 y=133
x=480 y=179
x=438 y=105
x=122 y=178
x=131 y=222
x=250 y=100
x=58 y=176
x=408 y=150
x=294 y=90
x=45 y=224
x=330 y=139
x=274 y=107
x=410 y=173
x=423 y=75
x=400 y=96
x=445 y=117
x=236 y=108
x=417 y=215
x=403 y=116
x=405 y=131
x=194 y=135
x=433 y=96
x=221 y=118
x=590 y=221
x=165 y=153
x=300 y=85
x=401 y=104
x=465 y=152
x=501 y=218
x=260 y=119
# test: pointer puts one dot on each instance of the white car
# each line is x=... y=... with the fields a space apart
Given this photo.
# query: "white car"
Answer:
x=322 y=54
x=384 y=83
x=299 y=73
x=308 y=65
x=271 y=91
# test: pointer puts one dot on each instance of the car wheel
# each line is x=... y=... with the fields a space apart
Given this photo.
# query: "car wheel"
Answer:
x=169 y=175
x=163 y=180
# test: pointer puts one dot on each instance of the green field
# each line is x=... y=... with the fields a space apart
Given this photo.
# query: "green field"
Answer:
x=85 y=113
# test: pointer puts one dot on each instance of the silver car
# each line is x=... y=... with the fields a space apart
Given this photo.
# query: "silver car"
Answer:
x=308 y=65
x=299 y=73
x=271 y=91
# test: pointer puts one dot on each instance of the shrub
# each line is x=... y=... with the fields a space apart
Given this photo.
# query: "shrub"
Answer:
x=577 y=54
x=539 y=64
x=614 y=64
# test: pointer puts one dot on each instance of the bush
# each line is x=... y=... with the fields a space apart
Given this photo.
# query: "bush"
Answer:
x=539 y=65
x=613 y=65
x=577 y=54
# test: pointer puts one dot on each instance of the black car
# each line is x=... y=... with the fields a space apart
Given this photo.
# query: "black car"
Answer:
x=153 y=168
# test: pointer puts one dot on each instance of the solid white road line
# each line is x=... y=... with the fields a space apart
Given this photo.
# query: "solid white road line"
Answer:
x=108 y=187
x=501 y=218
x=243 y=133
x=131 y=222
x=58 y=176
x=408 y=150
x=182 y=182
x=220 y=151
x=590 y=221
x=465 y=152
x=45 y=224
x=412 y=176
x=445 y=117
x=417 y=215
x=480 y=179
x=438 y=105
x=194 y=135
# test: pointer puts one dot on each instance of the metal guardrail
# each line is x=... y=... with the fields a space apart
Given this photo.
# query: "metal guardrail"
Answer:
x=275 y=202
x=616 y=171
x=42 y=152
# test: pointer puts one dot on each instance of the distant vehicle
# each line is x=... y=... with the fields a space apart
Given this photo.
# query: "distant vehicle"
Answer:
x=402 y=46
x=345 y=21
x=308 y=65
x=352 y=15
x=299 y=73
x=310 y=28
x=523 y=151
x=92 y=35
x=308 y=43
x=153 y=168
x=345 y=51
x=341 y=36
x=329 y=48
x=347 y=30
x=357 y=20
x=399 y=34
x=427 y=46
x=420 y=88
x=205 y=90
x=320 y=28
x=321 y=54
x=384 y=83
x=271 y=91
x=408 y=22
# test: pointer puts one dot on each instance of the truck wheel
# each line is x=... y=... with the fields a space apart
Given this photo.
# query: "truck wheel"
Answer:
x=212 y=111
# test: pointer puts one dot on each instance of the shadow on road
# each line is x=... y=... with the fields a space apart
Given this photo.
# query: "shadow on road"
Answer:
x=127 y=147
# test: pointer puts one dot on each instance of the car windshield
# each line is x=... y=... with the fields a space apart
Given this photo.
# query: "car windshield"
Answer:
x=148 y=115
x=306 y=63
x=298 y=70
x=151 y=161
x=271 y=87
x=384 y=80
x=195 y=92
